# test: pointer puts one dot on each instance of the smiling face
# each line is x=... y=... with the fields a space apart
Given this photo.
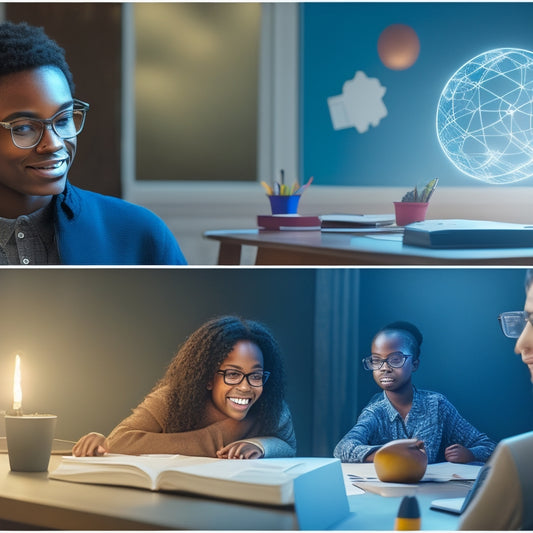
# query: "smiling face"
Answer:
x=524 y=344
x=235 y=401
x=30 y=177
x=388 y=378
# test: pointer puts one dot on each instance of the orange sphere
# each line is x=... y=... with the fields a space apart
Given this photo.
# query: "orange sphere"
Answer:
x=398 y=46
x=401 y=461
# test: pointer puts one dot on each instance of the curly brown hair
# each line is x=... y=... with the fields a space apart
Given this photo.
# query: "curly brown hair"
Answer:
x=197 y=361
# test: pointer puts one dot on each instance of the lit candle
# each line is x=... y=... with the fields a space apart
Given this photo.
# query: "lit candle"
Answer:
x=17 y=387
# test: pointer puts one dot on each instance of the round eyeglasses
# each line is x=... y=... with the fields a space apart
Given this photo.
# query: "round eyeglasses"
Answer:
x=514 y=322
x=394 y=360
x=234 y=377
x=66 y=124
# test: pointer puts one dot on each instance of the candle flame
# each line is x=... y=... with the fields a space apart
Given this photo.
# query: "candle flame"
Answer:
x=17 y=387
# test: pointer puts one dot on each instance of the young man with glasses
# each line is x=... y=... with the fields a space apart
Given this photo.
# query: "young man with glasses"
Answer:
x=404 y=412
x=519 y=325
x=44 y=219
x=505 y=499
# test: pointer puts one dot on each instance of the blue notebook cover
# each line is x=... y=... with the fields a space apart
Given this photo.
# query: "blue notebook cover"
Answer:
x=468 y=234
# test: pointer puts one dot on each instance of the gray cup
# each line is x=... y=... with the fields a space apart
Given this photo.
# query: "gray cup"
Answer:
x=29 y=441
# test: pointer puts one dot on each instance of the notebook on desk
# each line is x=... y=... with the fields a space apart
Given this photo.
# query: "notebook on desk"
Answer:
x=459 y=505
x=340 y=221
x=468 y=234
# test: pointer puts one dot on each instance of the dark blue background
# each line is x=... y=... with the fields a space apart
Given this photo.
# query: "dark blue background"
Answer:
x=464 y=355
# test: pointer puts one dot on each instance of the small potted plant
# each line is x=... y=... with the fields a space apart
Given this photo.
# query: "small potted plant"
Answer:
x=414 y=204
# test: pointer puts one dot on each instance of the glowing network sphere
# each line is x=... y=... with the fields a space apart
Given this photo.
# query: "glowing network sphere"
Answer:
x=485 y=116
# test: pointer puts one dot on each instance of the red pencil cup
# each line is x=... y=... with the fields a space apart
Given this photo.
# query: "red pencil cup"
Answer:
x=284 y=204
x=408 y=212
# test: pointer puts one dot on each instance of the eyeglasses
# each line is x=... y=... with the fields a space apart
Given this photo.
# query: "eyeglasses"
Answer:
x=234 y=377
x=514 y=322
x=394 y=360
x=28 y=132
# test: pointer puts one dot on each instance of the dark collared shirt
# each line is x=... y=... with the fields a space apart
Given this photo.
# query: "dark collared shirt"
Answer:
x=29 y=239
x=432 y=418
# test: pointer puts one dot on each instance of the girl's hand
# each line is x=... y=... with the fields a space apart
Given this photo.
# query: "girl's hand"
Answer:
x=457 y=453
x=90 y=445
x=370 y=457
x=240 y=450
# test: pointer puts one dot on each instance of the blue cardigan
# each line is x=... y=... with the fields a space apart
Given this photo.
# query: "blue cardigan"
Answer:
x=93 y=229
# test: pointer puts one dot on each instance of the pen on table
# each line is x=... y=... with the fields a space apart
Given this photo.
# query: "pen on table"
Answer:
x=408 y=518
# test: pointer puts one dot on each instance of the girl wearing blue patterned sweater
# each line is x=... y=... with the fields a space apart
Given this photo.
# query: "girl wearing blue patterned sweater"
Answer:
x=404 y=412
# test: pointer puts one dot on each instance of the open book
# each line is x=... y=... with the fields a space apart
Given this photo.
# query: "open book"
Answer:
x=265 y=481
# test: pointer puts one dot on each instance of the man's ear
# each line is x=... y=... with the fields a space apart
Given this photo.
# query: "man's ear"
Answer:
x=416 y=362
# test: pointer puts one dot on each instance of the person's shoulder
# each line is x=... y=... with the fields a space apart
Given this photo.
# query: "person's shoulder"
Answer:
x=429 y=393
x=377 y=397
x=376 y=402
x=110 y=204
x=157 y=396
x=431 y=396
x=118 y=231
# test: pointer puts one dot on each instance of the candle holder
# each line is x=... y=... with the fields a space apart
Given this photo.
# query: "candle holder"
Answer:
x=29 y=441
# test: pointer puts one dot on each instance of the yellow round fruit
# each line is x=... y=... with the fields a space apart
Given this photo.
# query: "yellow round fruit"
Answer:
x=401 y=461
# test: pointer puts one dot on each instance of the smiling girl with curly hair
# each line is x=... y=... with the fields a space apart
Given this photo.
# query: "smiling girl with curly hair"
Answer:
x=221 y=396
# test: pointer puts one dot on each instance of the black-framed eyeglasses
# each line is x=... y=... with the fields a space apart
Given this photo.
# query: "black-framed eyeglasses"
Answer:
x=394 y=360
x=514 y=322
x=66 y=124
x=234 y=377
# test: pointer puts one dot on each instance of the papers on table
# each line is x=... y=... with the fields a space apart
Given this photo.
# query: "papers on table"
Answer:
x=363 y=476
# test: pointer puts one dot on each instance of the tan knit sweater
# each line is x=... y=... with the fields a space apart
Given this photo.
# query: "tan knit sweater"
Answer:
x=144 y=432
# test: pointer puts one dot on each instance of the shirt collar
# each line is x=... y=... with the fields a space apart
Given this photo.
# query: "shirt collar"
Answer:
x=40 y=220
x=391 y=412
x=68 y=201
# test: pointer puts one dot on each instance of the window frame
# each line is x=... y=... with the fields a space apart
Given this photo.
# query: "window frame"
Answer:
x=277 y=113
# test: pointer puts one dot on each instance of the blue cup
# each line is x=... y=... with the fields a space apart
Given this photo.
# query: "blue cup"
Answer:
x=284 y=204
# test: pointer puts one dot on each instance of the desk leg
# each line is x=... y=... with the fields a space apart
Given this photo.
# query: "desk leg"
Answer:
x=229 y=254
x=270 y=256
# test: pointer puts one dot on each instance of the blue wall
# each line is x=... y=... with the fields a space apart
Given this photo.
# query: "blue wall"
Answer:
x=338 y=39
x=464 y=354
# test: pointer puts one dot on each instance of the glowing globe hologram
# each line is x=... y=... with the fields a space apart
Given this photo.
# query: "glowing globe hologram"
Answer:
x=485 y=116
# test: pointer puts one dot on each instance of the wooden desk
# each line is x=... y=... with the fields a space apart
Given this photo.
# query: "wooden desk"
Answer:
x=317 y=248
x=31 y=500
x=374 y=512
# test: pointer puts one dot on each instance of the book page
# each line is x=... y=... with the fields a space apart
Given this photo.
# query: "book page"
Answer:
x=262 y=480
x=118 y=469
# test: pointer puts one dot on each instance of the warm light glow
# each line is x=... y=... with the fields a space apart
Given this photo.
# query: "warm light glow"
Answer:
x=17 y=387
x=398 y=47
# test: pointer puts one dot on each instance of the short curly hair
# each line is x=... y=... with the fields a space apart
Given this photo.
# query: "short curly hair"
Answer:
x=200 y=357
x=411 y=333
x=25 y=47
